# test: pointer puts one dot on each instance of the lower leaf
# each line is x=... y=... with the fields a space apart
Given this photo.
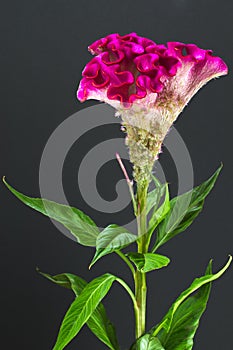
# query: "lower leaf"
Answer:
x=147 y=342
x=98 y=322
x=177 y=329
x=82 y=308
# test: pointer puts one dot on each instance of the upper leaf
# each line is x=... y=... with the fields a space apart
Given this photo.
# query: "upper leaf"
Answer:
x=147 y=342
x=82 y=308
x=166 y=323
x=154 y=196
x=183 y=210
x=112 y=238
x=98 y=322
x=186 y=319
x=148 y=261
x=79 y=224
x=160 y=213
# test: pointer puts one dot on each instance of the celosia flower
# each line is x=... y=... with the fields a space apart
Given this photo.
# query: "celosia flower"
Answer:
x=149 y=84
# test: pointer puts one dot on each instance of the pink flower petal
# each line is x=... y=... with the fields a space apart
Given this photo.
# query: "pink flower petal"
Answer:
x=114 y=57
x=147 y=62
x=91 y=70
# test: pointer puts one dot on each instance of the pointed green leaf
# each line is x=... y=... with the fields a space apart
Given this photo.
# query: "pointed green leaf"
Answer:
x=67 y=280
x=79 y=224
x=98 y=322
x=112 y=238
x=82 y=308
x=103 y=328
x=197 y=283
x=183 y=210
x=186 y=319
x=154 y=197
x=147 y=342
x=148 y=261
x=160 y=213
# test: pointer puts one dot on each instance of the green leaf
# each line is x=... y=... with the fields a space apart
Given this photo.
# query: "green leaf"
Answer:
x=183 y=210
x=112 y=238
x=67 y=280
x=82 y=308
x=79 y=224
x=154 y=197
x=148 y=261
x=98 y=322
x=147 y=342
x=160 y=213
x=186 y=319
x=167 y=322
x=101 y=326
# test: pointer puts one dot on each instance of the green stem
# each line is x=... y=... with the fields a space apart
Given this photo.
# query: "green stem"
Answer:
x=127 y=288
x=140 y=277
x=126 y=260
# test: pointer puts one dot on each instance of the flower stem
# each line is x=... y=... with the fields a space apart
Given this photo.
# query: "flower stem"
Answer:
x=140 y=277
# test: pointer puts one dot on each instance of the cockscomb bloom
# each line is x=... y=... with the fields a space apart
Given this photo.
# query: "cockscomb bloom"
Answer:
x=148 y=84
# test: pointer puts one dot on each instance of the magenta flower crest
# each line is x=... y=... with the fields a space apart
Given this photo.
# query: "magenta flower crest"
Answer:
x=128 y=68
x=149 y=84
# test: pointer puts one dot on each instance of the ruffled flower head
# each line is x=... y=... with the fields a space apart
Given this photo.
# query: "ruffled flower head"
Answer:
x=149 y=84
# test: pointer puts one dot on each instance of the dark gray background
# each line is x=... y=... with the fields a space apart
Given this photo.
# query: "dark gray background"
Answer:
x=43 y=51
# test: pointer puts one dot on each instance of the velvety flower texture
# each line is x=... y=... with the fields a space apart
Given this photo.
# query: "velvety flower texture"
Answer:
x=149 y=84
